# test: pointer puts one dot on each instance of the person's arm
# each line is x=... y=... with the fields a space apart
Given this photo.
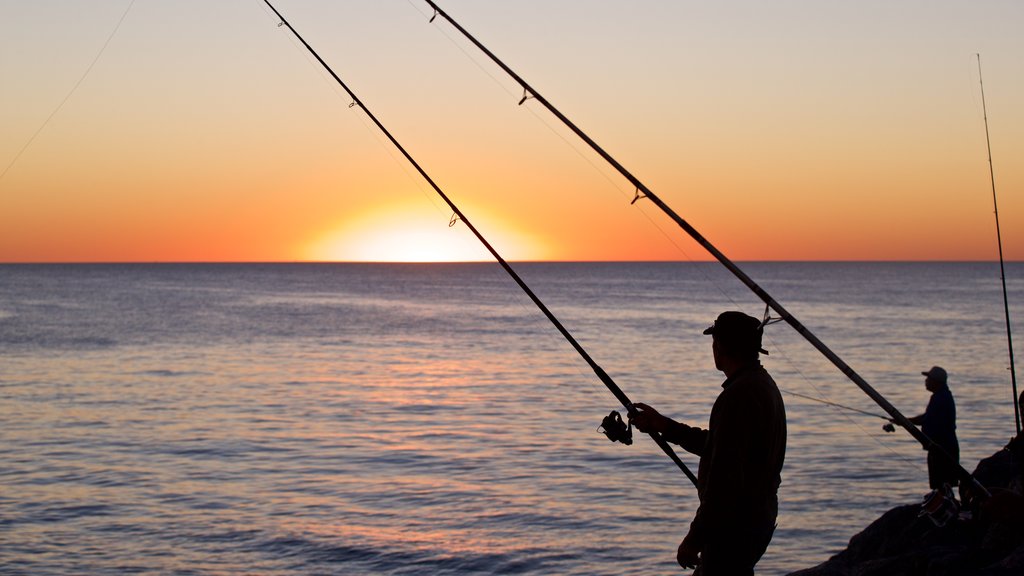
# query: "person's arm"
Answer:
x=691 y=438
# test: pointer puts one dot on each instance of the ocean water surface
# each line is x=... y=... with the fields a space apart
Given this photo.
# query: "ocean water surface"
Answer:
x=426 y=419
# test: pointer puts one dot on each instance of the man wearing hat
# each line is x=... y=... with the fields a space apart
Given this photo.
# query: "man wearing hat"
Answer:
x=939 y=424
x=741 y=454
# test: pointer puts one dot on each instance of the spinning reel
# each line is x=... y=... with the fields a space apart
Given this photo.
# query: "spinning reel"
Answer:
x=616 y=429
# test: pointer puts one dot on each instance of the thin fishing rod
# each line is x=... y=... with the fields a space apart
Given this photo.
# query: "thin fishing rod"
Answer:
x=601 y=374
x=645 y=192
x=999 y=240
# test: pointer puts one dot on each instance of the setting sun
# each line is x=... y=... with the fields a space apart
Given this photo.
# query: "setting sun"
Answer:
x=404 y=235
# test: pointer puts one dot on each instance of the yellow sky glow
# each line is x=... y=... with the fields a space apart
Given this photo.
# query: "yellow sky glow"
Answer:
x=397 y=234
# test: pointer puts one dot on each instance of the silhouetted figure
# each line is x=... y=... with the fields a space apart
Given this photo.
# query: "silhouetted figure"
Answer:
x=939 y=423
x=741 y=455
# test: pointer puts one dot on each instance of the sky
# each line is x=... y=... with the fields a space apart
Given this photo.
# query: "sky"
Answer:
x=784 y=130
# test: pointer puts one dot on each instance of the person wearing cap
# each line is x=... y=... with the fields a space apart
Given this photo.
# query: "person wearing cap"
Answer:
x=741 y=455
x=939 y=424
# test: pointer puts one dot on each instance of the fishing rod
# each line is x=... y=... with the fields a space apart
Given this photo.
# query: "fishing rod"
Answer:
x=643 y=192
x=459 y=216
x=999 y=240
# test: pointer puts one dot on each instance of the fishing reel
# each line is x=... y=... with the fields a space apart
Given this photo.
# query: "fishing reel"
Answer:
x=940 y=506
x=616 y=429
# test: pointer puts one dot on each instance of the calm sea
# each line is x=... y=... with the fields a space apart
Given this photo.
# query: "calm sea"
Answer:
x=426 y=419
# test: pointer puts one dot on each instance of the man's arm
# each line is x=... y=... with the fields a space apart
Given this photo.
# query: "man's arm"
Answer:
x=691 y=438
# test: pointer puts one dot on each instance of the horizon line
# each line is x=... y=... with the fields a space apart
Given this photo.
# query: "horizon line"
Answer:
x=639 y=261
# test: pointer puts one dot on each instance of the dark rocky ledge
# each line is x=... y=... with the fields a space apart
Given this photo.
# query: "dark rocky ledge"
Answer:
x=988 y=543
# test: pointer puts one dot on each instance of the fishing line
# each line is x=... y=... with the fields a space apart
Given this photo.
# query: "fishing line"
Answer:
x=405 y=169
x=598 y=371
x=839 y=410
x=837 y=407
x=834 y=404
x=72 y=91
x=771 y=303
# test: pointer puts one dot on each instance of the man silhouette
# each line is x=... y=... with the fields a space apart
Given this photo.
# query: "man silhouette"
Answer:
x=939 y=424
x=741 y=455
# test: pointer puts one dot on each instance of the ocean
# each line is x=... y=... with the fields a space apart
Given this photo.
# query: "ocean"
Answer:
x=403 y=419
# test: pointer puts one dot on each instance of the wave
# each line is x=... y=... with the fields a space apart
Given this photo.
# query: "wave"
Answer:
x=310 y=556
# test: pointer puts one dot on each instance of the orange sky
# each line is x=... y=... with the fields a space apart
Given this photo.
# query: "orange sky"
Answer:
x=801 y=130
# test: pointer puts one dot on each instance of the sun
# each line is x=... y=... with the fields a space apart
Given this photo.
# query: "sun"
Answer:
x=403 y=244
x=404 y=235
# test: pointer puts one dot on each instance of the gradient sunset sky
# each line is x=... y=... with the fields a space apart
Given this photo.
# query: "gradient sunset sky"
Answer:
x=782 y=130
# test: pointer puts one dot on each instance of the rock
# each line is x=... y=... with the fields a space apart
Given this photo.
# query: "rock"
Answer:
x=989 y=543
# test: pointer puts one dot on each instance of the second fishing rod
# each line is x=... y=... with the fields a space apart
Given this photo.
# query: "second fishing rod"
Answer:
x=458 y=215
x=642 y=191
